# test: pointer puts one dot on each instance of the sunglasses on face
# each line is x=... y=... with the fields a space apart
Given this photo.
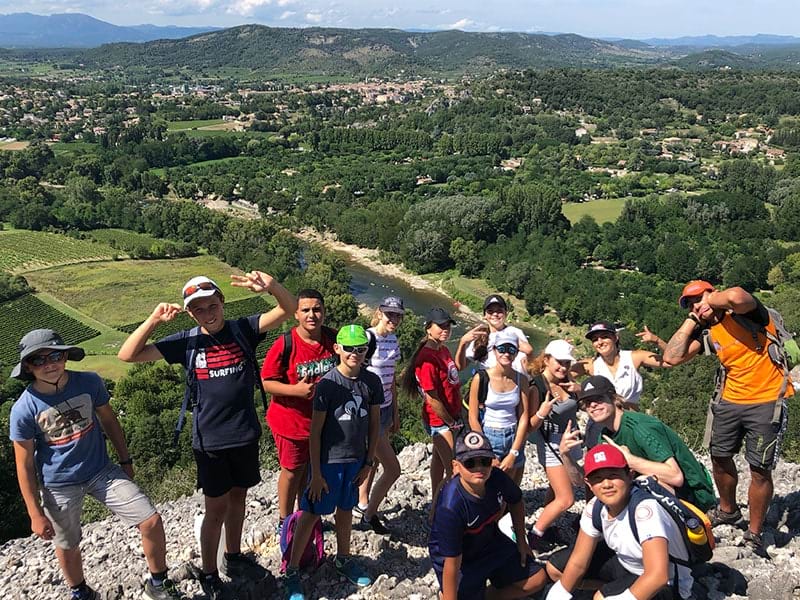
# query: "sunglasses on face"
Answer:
x=507 y=349
x=483 y=461
x=39 y=359
x=192 y=289
x=585 y=404
x=355 y=349
x=565 y=363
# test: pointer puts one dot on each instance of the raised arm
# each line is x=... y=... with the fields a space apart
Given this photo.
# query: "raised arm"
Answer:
x=666 y=472
x=735 y=299
x=648 y=359
x=470 y=336
x=651 y=338
x=136 y=348
x=260 y=282
x=682 y=346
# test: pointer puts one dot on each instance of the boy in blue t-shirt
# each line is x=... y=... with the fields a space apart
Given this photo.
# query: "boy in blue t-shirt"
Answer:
x=466 y=545
x=57 y=426
x=345 y=426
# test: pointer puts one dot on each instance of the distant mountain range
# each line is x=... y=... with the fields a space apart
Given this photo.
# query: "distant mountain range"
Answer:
x=75 y=30
x=730 y=41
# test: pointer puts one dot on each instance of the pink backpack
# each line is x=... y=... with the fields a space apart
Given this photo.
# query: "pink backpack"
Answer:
x=314 y=552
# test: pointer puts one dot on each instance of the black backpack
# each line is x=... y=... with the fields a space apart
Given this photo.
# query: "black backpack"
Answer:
x=190 y=394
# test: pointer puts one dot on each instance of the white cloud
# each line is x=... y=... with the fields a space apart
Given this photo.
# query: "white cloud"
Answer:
x=286 y=2
x=286 y=14
x=461 y=24
x=314 y=17
x=246 y=7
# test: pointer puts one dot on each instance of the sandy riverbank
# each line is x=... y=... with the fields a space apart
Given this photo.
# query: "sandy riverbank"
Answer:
x=368 y=257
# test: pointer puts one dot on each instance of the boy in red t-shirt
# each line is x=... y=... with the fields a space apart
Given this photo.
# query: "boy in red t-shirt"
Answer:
x=291 y=378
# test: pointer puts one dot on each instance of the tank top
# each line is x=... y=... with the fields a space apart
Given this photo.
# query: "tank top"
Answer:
x=384 y=362
x=501 y=407
x=562 y=413
x=627 y=381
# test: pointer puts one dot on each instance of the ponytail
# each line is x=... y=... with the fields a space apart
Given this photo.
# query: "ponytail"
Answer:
x=408 y=378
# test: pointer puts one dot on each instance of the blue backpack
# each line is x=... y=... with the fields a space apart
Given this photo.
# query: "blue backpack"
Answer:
x=314 y=553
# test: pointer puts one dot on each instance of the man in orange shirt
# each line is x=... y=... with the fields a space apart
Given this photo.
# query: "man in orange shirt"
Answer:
x=746 y=410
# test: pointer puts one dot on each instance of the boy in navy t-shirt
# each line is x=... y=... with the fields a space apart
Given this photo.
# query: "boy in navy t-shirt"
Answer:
x=225 y=425
x=466 y=545
x=345 y=426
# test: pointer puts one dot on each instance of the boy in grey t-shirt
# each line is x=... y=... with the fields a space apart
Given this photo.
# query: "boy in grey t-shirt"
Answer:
x=344 y=432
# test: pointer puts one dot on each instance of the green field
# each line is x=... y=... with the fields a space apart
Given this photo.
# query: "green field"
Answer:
x=19 y=316
x=603 y=211
x=183 y=125
x=120 y=292
x=121 y=239
x=61 y=148
x=22 y=251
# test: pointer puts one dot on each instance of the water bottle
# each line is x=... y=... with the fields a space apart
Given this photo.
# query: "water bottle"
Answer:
x=695 y=531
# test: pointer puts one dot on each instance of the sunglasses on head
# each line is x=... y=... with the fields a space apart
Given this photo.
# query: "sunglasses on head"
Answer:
x=39 y=359
x=355 y=349
x=483 y=461
x=507 y=349
x=192 y=289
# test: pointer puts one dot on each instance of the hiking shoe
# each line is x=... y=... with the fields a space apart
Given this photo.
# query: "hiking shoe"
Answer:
x=359 y=512
x=755 y=542
x=212 y=586
x=542 y=544
x=84 y=593
x=375 y=524
x=291 y=583
x=717 y=516
x=352 y=571
x=237 y=565
x=166 y=591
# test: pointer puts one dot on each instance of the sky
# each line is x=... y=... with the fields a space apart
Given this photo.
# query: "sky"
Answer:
x=594 y=18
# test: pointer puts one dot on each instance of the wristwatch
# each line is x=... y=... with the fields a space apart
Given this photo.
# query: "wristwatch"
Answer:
x=514 y=453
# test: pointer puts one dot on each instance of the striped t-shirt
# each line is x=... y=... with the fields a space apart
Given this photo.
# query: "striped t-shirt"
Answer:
x=384 y=362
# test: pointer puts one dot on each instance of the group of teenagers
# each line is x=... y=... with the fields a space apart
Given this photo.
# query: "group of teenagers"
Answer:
x=334 y=407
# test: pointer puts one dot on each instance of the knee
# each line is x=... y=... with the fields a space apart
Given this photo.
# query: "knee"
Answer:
x=564 y=501
x=151 y=524
x=760 y=476
x=553 y=573
x=292 y=475
x=391 y=470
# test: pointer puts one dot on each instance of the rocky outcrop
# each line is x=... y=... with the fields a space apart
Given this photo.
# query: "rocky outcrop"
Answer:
x=399 y=564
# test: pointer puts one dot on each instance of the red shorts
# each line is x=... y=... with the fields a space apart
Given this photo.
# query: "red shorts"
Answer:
x=292 y=454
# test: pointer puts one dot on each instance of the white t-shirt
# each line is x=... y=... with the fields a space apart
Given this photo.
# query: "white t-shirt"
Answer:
x=627 y=380
x=652 y=521
x=384 y=362
x=491 y=360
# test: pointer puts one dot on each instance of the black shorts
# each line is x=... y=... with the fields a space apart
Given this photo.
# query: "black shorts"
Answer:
x=220 y=470
x=751 y=423
x=605 y=567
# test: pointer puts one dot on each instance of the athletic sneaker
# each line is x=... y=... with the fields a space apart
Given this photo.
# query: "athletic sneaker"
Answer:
x=359 y=512
x=755 y=542
x=542 y=544
x=352 y=571
x=717 y=516
x=237 y=565
x=292 y=585
x=165 y=591
x=84 y=593
x=375 y=524
x=212 y=586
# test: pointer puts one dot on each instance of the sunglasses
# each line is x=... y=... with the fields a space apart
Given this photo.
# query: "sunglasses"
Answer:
x=587 y=402
x=193 y=289
x=483 y=461
x=39 y=359
x=507 y=349
x=355 y=349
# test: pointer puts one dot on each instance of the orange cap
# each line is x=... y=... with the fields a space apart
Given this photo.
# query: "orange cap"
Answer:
x=694 y=288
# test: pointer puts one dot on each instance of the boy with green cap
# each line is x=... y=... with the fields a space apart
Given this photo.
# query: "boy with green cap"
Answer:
x=344 y=432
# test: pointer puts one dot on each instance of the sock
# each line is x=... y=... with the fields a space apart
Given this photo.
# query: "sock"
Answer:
x=536 y=532
x=363 y=507
x=157 y=579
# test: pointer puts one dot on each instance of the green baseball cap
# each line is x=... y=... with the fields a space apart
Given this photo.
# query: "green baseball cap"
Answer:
x=352 y=335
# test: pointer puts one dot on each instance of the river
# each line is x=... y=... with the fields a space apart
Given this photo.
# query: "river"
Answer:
x=370 y=287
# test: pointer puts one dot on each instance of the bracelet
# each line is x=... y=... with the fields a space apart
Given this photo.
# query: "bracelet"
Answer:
x=129 y=461
x=540 y=416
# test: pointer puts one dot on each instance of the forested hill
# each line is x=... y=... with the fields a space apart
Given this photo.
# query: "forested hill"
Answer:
x=367 y=51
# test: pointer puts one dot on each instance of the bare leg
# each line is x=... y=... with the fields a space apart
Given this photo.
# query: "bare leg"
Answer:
x=391 y=471
x=366 y=485
x=519 y=589
x=290 y=485
x=344 y=526
x=759 y=496
x=71 y=564
x=234 y=519
x=726 y=478
x=564 y=497
x=154 y=543
x=210 y=530
x=441 y=463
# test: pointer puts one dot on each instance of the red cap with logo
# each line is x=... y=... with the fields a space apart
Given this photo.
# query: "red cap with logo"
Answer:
x=604 y=456
x=696 y=287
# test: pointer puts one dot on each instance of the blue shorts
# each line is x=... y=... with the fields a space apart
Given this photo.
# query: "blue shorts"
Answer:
x=499 y=564
x=502 y=439
x=433 y=430
x=342 y=492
